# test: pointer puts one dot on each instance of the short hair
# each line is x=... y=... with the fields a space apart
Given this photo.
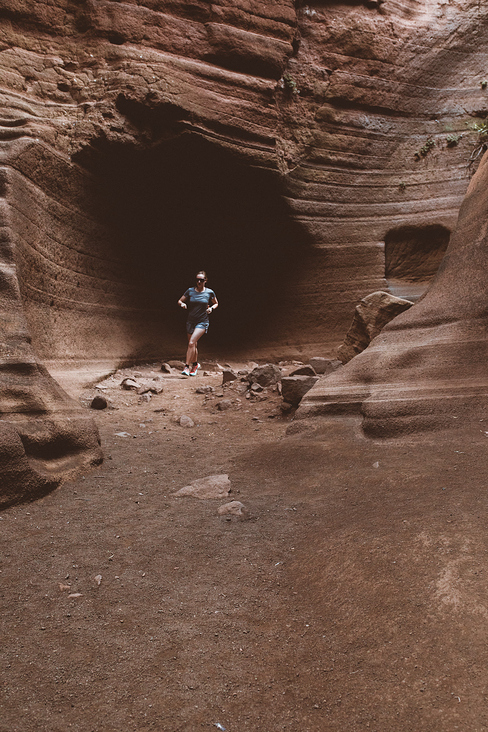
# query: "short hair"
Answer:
x=202 y=272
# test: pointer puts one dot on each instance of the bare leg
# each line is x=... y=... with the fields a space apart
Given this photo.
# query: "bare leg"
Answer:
x=192 y=352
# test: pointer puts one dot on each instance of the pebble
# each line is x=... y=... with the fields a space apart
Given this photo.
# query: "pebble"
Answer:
x=224 y=404
x=235 y=510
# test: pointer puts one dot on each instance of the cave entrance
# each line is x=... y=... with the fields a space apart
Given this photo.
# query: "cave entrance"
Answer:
x=186 y=205
x=412 y=257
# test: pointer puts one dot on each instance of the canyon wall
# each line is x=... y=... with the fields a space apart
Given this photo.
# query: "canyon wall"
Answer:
x=305 y=155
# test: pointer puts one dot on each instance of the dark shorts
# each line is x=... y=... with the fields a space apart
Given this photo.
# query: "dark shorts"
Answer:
x=190 y=327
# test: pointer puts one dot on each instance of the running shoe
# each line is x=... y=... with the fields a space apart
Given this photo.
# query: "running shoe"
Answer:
x=186 y=371
x=194 y=369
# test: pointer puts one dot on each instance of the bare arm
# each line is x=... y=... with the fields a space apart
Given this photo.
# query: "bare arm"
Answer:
x=214 y=305
x=182 y=302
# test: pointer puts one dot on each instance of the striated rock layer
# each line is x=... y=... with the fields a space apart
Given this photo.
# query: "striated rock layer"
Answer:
x=306 y=155
x=428 y=367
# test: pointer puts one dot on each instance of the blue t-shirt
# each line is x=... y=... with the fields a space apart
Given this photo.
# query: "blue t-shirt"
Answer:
x=197 y=303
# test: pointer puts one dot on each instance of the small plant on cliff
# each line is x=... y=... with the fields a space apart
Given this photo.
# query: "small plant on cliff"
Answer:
x=402 y=186
x=425 y=149
x=453 y=139
x=481 y=130
x=484 y=84
x=289 y=84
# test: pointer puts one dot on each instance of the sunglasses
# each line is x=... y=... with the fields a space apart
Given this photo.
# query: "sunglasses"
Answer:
x=200 y=279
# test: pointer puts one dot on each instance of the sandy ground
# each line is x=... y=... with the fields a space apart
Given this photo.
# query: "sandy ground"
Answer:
x=353 y=597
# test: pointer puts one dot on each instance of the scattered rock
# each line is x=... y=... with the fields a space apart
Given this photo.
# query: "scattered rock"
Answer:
x=286 y=407
x=265 y=375
x=213 y=486
x=228 y=375
x=224 y=404
x=233 y=511
x=324 y=365
x=99 y=402
x=185 y=421
x=154 y=386
x=129 y=383
x=205 y=390
x=295 y=387
x=146 y=397
x=166 y=368
x=178 y=365
x=98 y=580
x=304 y=371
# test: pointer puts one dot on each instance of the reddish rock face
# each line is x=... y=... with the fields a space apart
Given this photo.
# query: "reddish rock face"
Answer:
x=278 y=147
x=427 y=368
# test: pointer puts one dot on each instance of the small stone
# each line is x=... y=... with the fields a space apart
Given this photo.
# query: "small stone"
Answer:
x=205 y=390
x=224 y=404
x=146 y=397
x=98 y=402
x=228 y=375
x=304 y=371
x=286 y=407
x=129 y=383
x=155 y=386
x=212 y=486
x=324 y=365
x=233 y=511
x=178 y=365
x=186 y=421
x=166 y=368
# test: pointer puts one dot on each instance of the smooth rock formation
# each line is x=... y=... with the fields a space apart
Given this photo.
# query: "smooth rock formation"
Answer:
x=428 y=367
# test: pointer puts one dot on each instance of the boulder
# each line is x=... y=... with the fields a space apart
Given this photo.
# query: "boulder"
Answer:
x=228 y=375
x=294 y=388
x=265 y=375
x=370 y=317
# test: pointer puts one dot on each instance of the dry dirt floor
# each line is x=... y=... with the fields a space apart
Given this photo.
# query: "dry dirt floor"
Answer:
x=354 y=596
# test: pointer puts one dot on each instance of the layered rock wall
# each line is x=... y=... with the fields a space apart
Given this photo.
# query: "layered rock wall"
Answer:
x=339 y=100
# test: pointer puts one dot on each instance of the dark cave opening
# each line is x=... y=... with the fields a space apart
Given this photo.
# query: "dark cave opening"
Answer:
x=186 y=205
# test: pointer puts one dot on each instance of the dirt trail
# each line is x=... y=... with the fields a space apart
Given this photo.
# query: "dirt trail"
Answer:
x=354 y=598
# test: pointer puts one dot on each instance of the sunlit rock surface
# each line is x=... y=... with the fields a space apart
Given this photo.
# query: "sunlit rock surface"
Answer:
x=310 y=155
